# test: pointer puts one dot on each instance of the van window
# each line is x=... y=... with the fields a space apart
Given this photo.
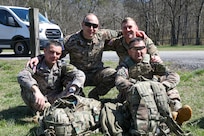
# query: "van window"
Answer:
x=4 y=17
x=23 y=14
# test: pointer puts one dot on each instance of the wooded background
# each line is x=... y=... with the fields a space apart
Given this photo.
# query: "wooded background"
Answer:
x=173 y=22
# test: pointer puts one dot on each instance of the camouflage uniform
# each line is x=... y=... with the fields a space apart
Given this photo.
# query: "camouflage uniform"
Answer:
x=51 y=82
x=120 y=46
x=130 y=72
x=86 y=55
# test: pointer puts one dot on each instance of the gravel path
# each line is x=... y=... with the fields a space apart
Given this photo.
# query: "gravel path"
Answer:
x=189 y=60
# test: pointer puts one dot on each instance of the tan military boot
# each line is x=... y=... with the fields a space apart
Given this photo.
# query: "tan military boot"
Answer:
x=182 y=115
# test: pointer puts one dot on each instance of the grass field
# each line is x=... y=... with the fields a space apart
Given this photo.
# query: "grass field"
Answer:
x=181 y=48
x=15 y=116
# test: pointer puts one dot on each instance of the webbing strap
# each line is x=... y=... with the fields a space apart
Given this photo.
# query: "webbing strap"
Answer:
x=145 y=92
x=164 y=109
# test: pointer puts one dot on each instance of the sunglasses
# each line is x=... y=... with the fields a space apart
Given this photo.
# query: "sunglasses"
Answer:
x=91 y=24
x=137 y=48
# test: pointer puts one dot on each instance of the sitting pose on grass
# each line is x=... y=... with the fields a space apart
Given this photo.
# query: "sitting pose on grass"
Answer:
x=138 y=67
x=50 y=79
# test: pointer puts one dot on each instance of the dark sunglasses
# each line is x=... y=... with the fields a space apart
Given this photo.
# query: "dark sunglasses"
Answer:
x=137 y=48
x=91 y=24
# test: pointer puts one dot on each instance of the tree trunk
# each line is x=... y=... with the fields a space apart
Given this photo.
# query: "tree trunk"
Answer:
x=198 y=42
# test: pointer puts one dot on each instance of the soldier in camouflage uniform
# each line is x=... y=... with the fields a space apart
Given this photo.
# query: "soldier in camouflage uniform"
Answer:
x=129 y=31
x=138 y=66
x=51 y=79
x=85 y=49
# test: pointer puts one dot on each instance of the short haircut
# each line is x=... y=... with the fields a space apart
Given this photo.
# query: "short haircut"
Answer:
x=85 y=17
x=136 y=39
x=125 y=20
x=53 y=42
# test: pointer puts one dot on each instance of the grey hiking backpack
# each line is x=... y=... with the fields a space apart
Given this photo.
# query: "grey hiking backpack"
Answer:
x=71 y=116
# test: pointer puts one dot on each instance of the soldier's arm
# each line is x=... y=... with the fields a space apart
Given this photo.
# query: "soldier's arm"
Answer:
x=107 y=34
x=25 y=78
x=77 y=76
x=151 y=47
x=122 y=78
x=66 y=48
x=111 y=44
x=40 y=99
x=171 y=80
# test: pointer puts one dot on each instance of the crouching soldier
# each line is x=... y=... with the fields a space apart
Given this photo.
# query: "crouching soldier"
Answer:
x=50 y=79
x=138 y=66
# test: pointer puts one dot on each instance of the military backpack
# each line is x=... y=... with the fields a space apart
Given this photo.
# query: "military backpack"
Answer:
x=71 y=116
x=149 y=109
x=145 y=112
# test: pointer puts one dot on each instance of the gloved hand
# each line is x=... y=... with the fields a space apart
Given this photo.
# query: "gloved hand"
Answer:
x=122 y=84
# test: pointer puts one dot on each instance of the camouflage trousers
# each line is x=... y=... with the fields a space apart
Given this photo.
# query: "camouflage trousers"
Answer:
x=175 y=100
x=103 y=80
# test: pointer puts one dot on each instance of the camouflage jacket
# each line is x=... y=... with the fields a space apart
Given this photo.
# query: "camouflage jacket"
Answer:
x=85 y=54
x=145 y=70
x=120 y=46
x=51 y=80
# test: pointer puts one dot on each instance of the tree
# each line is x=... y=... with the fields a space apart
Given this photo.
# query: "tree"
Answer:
x=199 y=6
x=165 y=22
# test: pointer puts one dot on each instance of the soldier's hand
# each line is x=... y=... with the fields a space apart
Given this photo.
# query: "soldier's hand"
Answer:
x=156 y=59
x=40 y=99
x=32 y=63
x=122 y=84
x=142 y=34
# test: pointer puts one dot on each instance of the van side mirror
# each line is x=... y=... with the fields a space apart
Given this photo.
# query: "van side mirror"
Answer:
x=53 y=21
x=11 y=21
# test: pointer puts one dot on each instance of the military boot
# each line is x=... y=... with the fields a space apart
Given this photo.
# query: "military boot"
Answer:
x=182 y=115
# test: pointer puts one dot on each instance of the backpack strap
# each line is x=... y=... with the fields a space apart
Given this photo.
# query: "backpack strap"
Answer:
x=146 y=95
x=162 y=102
x=157 y=102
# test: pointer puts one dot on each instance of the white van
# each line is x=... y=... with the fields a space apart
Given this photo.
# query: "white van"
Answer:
x=14 y=30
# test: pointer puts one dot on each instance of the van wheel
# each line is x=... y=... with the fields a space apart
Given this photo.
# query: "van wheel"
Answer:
x=20 y=48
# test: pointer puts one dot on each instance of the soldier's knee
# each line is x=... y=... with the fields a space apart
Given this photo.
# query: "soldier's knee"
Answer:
x=109 y=72
x=175 y=104
x=174 y=94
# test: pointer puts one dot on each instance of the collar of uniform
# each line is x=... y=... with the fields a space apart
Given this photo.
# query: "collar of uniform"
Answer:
x=44 y=67
x=90 y=41
x=125 y=43
x=130 y=62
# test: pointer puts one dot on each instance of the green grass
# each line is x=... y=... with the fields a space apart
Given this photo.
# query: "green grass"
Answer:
x=181 y=48
x=14 y=115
